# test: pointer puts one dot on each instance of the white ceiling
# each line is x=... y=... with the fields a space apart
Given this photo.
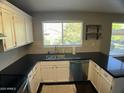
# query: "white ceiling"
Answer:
x=106 y=6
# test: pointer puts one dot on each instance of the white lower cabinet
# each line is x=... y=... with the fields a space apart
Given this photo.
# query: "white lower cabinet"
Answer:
x=34 y=78
x=32 y=85
x=101 y=80
x=93 y=75
x=48 y=74
x=62 y=74
x=105 y=86
x=96 y=79
x=59 y=71
x=55 y=71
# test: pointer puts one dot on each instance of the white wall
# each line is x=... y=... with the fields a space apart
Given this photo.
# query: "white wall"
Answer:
x=101 y=45
x=11 y=56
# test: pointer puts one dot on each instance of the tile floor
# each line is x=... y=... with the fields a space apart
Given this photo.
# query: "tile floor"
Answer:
x=73 y=87
x=59 y=89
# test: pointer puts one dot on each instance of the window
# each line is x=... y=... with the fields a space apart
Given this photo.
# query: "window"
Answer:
x=117 y=39
x=62 y=33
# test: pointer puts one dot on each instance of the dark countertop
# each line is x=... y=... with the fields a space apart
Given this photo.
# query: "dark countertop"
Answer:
x=18 y=71
x=11 y=83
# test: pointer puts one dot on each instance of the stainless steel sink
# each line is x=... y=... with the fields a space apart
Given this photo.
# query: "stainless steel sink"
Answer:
x=59 y=57
x=55 y=57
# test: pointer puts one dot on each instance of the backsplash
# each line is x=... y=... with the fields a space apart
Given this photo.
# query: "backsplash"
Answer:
x=89 y=46
x=9 y=57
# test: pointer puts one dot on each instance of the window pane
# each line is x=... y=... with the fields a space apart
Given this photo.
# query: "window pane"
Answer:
x=52 y=33
x=117 y=39
x=72 y=33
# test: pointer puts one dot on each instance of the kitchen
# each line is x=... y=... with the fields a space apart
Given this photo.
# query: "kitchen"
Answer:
x=30 y=64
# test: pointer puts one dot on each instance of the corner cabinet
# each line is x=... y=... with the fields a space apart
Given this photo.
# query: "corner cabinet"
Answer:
x=16 y=25
x=103 y=81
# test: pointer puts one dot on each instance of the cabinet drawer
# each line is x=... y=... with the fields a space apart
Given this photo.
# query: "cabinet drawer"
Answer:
x=106 y=75
x=95 y=66
x=55 y=63
x=35 y=68
x=33 y=71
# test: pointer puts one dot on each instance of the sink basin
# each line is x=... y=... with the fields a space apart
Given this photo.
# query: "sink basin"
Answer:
x=59 y=57
x=55 y=57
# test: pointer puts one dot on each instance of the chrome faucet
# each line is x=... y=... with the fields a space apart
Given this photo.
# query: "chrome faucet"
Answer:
x=55 y=49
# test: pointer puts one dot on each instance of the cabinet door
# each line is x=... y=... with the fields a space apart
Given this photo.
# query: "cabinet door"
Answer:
x=7 y=19
x=91 y=72
x=105 y=86
x=1 y=27
x=94 y=76
x=36 y=82
x=96 y=79
x=38 y=76
x=32 y=85
x=29 y=31
x=48 y=74
x=19 y=26
x=62 y=74
x=34 y=79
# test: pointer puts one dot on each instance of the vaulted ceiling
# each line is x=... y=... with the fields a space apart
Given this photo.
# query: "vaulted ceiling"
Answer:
x=105 y=6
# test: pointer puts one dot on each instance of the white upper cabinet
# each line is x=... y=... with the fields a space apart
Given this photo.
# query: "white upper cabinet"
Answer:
x=1 y=30
x=16 y=25
x=29 y=30
x=20 y=31
x=7 y=20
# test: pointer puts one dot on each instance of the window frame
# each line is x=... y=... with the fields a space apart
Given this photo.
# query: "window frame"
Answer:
x=114 y=54
x=62 y=21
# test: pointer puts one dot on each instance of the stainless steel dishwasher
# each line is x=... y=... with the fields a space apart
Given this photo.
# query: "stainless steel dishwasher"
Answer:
x=78 y=70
